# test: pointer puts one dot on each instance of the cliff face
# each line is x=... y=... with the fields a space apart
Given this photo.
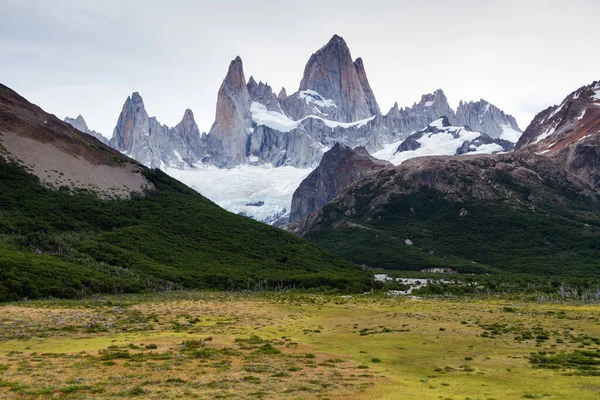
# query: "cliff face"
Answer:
x=232 y=118
x=482 y=116
x=339 y=167
x=153 y=144
x=331 y=73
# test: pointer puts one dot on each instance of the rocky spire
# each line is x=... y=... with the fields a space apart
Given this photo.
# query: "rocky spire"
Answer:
x=364 y=83
x=232 y=118
x=434 y=106
x=78 y=123
x=332 y=73
x=132 y=126
x=282 y=96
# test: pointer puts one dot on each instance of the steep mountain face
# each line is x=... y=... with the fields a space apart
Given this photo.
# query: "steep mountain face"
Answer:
x=233 y=118
x=482 y=116
x=339 y=167
x=80 y=124
x=341 y=83
x=153 y=144
x=577 y=117
x=65 y=235
x=532 y=210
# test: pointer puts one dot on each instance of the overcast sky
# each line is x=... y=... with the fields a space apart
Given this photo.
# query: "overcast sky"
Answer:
x=86 y=56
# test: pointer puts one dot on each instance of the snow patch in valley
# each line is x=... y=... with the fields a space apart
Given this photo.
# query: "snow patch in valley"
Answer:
x=235 y=188
x=597 y=95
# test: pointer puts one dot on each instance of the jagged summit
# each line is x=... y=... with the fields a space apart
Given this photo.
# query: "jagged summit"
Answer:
x=78 y=123
x=576 y=118
x=81 y=125
x=482 y=116
x=332 y=73
x=282 y=96
x=152 y=143
x=235 y=75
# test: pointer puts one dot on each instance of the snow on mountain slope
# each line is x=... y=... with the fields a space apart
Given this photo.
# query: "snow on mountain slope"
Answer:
x=510 y=134
x=260 y=192
x=282 y=123
x=438 y=139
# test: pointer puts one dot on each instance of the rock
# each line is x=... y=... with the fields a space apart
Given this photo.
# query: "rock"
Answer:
x=333 y=75
x=232 y=119
x=282 y=94
x=484 y=117
x=339 y=167
x=80 y=124
x=364 y=83
x=152 y=143
x=408 y=242
x=577 y=117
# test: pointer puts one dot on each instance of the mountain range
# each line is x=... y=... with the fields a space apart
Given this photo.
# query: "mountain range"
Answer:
x=417 y=188
x=254 y=126
x=535 y=209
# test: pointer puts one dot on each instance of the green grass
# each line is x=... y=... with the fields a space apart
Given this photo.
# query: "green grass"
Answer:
x=70 y=243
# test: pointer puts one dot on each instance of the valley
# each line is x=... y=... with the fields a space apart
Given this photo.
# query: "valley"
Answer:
x=299 y=345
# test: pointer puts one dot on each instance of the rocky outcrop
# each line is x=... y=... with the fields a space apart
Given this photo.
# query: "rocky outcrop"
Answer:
x=432 y=106
x=133 y=127
x=331 y=73
x=154 y=144
x=577 y=117
x=339 y=167
x=282 y=96
x=80 y=124
x=232 y=119
x=481 y=116
x=364 y=83
x=263 y=94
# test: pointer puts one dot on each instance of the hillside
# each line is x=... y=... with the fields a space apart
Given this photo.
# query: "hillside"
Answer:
x=68 y=229
x=535 y=210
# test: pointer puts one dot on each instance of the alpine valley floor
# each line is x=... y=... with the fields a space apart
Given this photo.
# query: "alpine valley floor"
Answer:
x=274 y=346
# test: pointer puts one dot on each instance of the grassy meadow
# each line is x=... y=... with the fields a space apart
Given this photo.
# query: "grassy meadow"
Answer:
x=208 y=345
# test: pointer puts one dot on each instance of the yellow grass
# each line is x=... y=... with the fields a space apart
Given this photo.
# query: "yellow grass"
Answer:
x=300 y=346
